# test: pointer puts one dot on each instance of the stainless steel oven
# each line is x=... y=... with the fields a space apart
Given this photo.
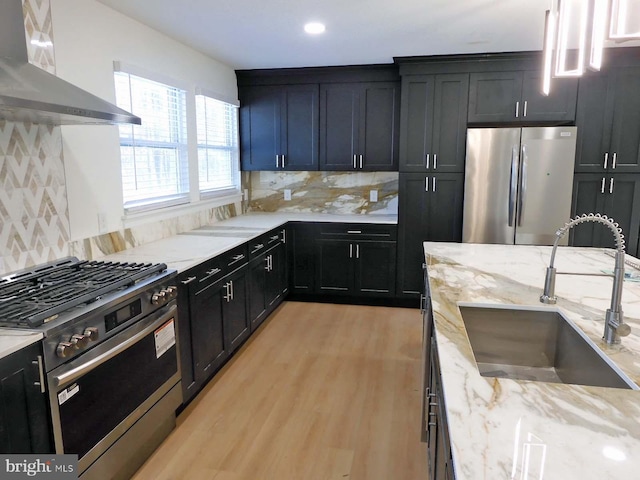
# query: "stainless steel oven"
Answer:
x=111 y=397
x=109 y=356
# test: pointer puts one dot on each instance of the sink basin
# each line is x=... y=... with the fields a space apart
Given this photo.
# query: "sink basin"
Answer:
x=535 y=344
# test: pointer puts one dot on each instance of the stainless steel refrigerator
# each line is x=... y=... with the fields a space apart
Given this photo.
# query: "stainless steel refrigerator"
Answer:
x=518 y=184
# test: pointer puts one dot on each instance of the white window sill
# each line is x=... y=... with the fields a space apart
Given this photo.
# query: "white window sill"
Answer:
x=142 y=218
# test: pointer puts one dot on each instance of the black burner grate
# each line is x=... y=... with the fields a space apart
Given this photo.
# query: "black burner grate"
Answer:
x=31 y=298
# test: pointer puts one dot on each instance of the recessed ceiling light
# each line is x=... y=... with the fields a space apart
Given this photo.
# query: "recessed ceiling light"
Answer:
x=314 y=28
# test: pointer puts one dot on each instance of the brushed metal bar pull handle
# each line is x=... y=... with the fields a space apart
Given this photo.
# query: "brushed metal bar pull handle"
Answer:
x=188 y=280
x=350 y=250
x=238 y=257
x=274 y=237
x=426 y=184
x=357 y=250
x=266 y=261
x=213 y=271
x=360 y=161
x=259 y=246
x=606 y=160
x=614 y=160
x=525 y=108
x=427 y=161
x=433 y=184
x=354 y=161
x=602 y=187
x=42 y=382
x=517 y=109
x=354 y=231
x=522 y=191
x=513 y=189
x=435 y=161
x=611 y=185
x=284 y=235
x=282 y=160
x=277 y=161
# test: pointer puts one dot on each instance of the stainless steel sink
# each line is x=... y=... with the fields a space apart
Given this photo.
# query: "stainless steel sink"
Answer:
x=539 y=345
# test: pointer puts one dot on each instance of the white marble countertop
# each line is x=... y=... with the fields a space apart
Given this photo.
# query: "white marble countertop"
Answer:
x=189 y=249
x=13 y=340
x=568 y=431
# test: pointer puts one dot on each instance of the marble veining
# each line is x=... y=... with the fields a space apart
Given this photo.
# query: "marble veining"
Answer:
x=510 y=429
x=324 y=192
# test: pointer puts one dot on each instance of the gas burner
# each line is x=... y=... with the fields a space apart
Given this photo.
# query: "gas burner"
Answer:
x=34 y=296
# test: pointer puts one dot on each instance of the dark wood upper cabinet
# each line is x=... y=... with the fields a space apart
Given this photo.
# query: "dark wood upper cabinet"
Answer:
x=608 y=121
x=515 y=97
x=433 y=123
x=279 y=127
x=359 y=125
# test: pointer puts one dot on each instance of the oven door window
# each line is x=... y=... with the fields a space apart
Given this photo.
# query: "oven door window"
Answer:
x=100 y=400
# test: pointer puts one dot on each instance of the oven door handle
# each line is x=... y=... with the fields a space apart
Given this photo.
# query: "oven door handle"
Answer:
x=76 y=372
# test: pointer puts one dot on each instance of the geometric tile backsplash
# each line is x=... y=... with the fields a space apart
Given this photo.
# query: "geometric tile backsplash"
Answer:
x=33 y=199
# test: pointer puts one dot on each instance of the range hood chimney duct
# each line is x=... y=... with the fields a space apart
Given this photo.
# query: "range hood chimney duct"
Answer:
x=30 y=94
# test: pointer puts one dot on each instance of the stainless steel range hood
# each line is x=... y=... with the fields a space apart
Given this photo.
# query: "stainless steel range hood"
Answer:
x=28 y=93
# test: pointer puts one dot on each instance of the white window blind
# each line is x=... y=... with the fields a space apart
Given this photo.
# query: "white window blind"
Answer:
x=155 y=167
x=218 y=153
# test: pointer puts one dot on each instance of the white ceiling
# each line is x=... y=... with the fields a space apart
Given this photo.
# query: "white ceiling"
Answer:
x=249 y=34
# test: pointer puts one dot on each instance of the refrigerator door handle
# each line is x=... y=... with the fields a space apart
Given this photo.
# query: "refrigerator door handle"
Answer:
x=513 y=190
x=522 y=190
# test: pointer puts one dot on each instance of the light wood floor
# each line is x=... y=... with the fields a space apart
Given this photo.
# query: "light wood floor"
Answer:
x=320 y=392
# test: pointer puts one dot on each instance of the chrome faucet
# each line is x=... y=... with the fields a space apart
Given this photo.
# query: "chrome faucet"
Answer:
x=614 y=326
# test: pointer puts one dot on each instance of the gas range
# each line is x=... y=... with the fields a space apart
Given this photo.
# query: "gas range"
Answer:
x=78 y=304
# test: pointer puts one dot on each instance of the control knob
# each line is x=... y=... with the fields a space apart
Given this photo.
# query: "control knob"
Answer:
x=172 y=291
x=65 y=349
x=91 y=333
x=79 y=341
x=158 y=297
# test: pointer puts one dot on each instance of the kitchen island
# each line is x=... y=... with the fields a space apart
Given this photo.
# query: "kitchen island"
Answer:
x=501 y=428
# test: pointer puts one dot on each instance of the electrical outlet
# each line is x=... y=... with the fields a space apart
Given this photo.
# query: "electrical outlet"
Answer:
x=287 y=194
x=102 y=222
x=373 y=195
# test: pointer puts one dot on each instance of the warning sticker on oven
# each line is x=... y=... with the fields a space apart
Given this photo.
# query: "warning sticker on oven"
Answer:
x=165 y=338
x=67 y=393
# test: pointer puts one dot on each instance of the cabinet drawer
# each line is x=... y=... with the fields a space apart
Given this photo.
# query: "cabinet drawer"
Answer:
x=356 y=231
x=261 y=244
x=214 y=269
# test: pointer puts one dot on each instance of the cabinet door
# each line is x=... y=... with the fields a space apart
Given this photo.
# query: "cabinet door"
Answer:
x=449 y=123
x=558 y=106
x=430 y=209
x=593 y=119
x=257 y=291
x=378 y=126
x=623 y=205
x=416 y=122
x=616 y=196
x=299 y=139
x=625 y=132
x=445 y=207
x=301 y=241
x=375 y=268
x=24 y=420
x=334 y=266
x=275 y=276
x=413 y=223
x=495 y=97
x=236 y=323
x=207 y=340
x=339 y=121
x=260 y=127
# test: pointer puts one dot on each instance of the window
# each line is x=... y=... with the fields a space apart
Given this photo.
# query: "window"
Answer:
x=218 y=157
x=155 y=164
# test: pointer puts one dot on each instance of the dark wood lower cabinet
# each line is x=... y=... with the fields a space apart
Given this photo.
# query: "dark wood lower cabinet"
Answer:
x=235 y=321
x=615 y=195
x=25 y=424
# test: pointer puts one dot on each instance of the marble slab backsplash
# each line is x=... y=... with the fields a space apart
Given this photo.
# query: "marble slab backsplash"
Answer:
x=324 y=192
x=97 y=247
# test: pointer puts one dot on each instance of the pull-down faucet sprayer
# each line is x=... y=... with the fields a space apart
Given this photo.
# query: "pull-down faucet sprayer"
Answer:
x=614 y=326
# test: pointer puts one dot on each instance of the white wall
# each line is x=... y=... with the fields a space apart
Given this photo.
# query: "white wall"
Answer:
x=88 y=37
